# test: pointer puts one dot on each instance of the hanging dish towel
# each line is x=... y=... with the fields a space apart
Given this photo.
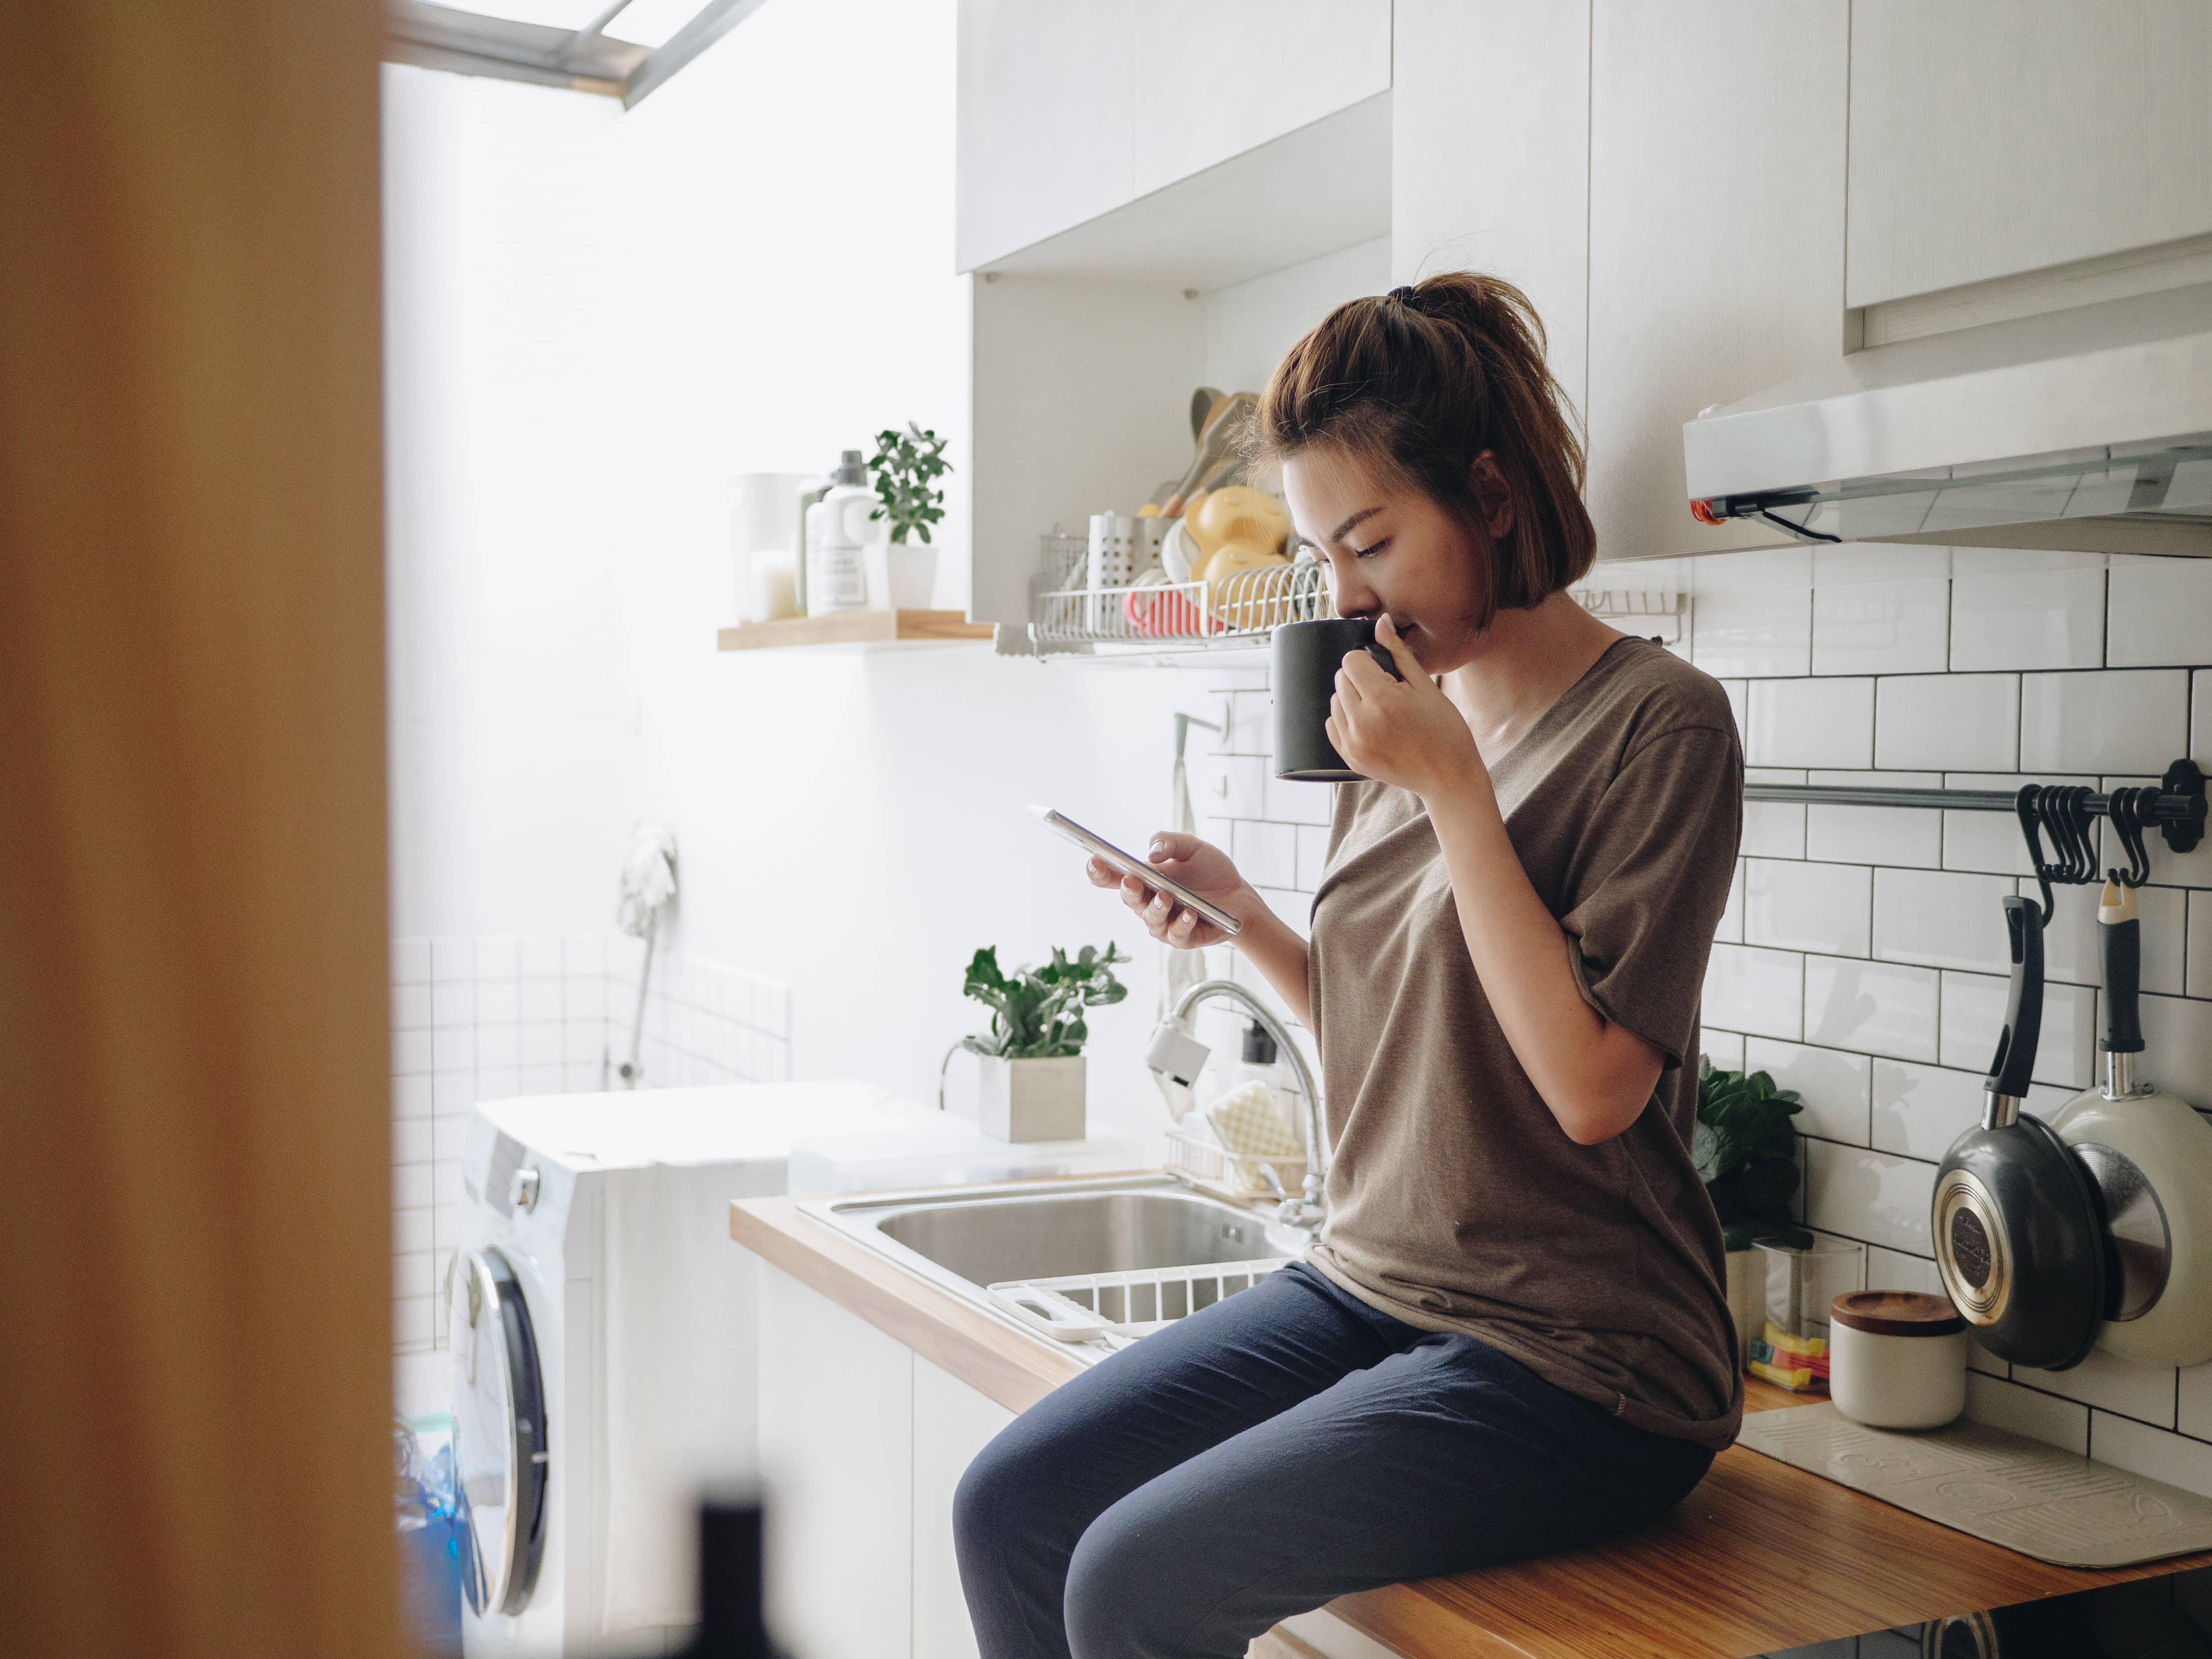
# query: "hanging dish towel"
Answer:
x=1180 y=970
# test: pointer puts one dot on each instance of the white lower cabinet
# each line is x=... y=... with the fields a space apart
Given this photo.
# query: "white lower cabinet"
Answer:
x=861 y=1446
x=952 y=1423
x=837 y=1428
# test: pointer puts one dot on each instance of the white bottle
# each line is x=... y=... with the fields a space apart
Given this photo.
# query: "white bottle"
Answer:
x=837 y=531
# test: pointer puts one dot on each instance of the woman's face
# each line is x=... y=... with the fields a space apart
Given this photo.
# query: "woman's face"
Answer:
x=1392 y=548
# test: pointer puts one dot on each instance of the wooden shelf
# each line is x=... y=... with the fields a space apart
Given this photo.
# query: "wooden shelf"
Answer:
x=860 y=628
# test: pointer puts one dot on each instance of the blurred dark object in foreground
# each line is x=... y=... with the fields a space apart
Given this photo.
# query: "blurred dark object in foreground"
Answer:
x=732 y=1621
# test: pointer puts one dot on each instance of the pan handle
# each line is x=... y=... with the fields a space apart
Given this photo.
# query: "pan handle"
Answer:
x=2015 y=1063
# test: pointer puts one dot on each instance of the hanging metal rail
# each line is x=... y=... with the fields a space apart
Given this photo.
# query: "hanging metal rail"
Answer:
x=2175 y=807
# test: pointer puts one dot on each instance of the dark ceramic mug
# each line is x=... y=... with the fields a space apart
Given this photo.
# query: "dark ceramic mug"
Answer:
x=1307 y=656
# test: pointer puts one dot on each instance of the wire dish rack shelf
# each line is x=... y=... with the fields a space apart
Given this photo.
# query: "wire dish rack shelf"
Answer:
x=1157 y=613
x=1120 y=1308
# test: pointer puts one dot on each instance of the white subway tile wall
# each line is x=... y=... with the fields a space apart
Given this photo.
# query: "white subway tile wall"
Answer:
x=1859 y=958
x=485 y=1017
x=1880 y=1004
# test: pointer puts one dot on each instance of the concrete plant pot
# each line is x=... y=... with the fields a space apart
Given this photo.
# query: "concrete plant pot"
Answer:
x=1023 y=1100
x=901 y=575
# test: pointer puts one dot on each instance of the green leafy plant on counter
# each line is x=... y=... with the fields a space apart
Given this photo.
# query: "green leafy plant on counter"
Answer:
x=1747 y=1154
x=1036 y=1013
x=907 y=465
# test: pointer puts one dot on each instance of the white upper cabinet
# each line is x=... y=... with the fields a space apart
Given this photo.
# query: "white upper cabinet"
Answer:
x=1987 y=139
x=1069 y=110
x=1045 y=120
x=1490 y=148
x=1716 y=237
x=1215 y=78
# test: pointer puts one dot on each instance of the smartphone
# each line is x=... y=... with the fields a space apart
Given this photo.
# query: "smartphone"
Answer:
x=1130 y=865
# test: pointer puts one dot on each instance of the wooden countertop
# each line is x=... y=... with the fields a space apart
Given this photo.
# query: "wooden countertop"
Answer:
x=1761 y=1556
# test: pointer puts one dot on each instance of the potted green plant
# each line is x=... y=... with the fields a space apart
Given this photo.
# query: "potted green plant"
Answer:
x=1745 y=1152
x=1032 y=1056
x=907 y=466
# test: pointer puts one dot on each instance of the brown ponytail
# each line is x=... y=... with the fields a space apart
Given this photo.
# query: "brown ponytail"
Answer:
x=1419 y=382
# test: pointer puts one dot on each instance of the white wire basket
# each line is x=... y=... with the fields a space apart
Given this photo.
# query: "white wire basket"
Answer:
x=1156 y=615
x=1233 y=1175
x=1122 y=1307
x=1159 y=614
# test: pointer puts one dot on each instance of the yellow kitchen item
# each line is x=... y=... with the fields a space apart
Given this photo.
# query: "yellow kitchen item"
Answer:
x=1237 y=513
x=1230 y=560
x=1195 y=556
x=1247 y=1123
x=1149 y=510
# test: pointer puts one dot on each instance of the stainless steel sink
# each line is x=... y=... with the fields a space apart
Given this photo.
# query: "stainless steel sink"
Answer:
x=963 y=1241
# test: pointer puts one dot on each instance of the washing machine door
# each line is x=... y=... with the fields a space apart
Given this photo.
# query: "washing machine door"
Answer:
x=499 y=1448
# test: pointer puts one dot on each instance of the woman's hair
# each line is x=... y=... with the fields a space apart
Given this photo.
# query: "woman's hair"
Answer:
x=1419 y=381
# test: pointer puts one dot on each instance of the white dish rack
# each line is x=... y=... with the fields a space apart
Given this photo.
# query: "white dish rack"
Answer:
x=1159 y=617
x=1170 y=616
x=1119 y=1307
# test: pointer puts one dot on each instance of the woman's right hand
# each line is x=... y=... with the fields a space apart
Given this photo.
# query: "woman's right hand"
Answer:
x=1200 y=865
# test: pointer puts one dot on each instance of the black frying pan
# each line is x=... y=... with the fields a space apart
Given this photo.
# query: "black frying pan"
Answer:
x=2019 y=1235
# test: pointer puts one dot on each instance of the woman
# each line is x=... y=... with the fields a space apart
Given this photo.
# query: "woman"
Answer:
x=1511 y=1336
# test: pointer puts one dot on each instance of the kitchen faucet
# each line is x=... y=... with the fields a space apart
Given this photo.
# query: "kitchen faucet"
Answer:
x=1178 y=1057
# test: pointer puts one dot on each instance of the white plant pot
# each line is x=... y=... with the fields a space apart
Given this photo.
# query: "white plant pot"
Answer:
x=1747 y=1299
x=1025 y=1100
x=901 y=575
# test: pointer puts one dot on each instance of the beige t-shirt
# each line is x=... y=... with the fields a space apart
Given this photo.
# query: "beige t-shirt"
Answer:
x=1456 y=1201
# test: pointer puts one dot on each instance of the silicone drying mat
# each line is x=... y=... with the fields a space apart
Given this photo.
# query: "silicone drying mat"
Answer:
x=2001 y=1487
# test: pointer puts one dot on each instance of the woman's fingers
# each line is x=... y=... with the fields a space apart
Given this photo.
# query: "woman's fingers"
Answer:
x=1386 y=633
x=1172 y=847
x=1366 y=677
x=1154 y=908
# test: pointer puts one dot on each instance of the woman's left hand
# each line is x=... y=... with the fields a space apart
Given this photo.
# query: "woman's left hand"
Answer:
x=1403 y=732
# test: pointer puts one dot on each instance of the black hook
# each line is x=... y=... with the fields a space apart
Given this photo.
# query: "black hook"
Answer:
x=2131 y=811
x=2028 y=806
x=2074 y=811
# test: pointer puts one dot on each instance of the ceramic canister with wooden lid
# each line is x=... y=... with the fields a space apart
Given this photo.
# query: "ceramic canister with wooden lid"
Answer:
x=1897 y=1360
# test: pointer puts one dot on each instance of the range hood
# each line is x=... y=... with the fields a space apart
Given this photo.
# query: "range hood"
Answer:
x=2086 y=429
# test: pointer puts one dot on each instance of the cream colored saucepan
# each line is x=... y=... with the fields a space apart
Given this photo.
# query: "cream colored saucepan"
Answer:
x=2150 y=1153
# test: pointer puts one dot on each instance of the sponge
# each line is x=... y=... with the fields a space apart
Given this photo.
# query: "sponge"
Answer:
x=1247 y=1123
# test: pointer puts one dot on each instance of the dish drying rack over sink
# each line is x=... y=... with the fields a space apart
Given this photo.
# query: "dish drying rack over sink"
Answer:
x=1119 y=1307
x=1241 y=611
x=1157 y=614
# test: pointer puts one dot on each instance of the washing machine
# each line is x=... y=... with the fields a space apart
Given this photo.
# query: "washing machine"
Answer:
x=601 y=1330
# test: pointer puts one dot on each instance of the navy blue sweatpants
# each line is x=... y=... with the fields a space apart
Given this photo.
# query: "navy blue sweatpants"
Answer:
x=1270 y=1452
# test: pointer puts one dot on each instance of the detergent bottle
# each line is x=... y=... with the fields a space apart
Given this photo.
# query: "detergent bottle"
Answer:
x=837 y=529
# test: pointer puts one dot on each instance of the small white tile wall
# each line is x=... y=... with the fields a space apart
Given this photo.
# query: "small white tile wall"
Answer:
x=1865 y=971
x=485 y=1017
x=1860 y=958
